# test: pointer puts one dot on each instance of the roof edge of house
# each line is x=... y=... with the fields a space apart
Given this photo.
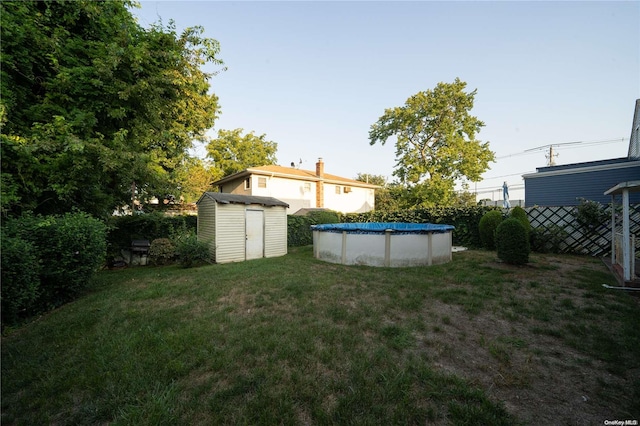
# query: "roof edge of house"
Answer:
x=332 y=179
x=576 y=170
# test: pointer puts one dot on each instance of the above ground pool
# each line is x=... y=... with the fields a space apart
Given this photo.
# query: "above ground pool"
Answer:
x=383 y=244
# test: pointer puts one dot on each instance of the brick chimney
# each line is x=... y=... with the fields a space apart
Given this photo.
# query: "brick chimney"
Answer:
x=320 y=183
x=320 y=168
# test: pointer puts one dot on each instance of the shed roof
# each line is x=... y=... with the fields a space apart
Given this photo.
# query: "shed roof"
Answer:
x=224 y=198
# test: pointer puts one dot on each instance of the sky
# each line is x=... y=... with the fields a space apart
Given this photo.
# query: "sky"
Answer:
x=314 y=76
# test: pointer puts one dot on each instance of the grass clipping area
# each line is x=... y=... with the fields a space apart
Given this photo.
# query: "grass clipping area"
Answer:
x=292 y=340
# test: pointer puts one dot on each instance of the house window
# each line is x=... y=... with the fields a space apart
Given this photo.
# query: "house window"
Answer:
x=307 y=187
x=347 y=189
x=262 y=182
x=247 y=183
x=337 y=189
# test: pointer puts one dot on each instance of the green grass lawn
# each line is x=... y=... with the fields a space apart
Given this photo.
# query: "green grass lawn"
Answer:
x=292 y=340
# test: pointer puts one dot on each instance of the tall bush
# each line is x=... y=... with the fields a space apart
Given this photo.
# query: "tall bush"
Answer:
x=298 y=231
x=20 y=278
x=69 y=248
x=72 y=248
x=487 y=226
x=512 y=242
x=519 y=213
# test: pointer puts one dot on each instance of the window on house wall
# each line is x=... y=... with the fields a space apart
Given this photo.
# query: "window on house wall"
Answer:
x=262 y=182
x=307 y=187
x=337 y=189
x=247 y=183
x=347 y=189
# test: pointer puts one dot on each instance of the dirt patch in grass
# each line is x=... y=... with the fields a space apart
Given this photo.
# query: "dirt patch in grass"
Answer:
x=538 y=378
x=526 y=359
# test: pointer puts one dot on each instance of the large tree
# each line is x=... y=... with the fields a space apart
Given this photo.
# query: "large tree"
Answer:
x=232 y=151
x=92 y=103
x=194 y=177
x=435 y=143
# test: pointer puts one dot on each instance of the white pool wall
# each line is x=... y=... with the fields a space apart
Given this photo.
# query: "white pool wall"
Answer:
x=383 y=249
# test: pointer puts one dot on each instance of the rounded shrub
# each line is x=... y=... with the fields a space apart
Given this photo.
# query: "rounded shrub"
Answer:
x=518 y=213
x=487 y=227
x=190 y=251
x=512 y=242
x=161 y=251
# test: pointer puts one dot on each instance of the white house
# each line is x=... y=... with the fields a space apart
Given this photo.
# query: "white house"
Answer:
x=241 y=227
x=302 y=188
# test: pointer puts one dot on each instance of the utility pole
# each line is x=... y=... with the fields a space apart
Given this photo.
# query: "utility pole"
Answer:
x=551 y=157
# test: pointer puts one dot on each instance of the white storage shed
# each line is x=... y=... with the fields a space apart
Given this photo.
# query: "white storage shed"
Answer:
x=241 y=227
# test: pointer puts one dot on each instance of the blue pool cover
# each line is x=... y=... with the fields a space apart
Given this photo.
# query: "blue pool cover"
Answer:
x=381 y=227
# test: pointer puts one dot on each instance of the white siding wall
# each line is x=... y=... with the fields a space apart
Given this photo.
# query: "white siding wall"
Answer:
x=206 y=230
x=359 y=200
x=297 y=193
x=275 y=231
x=302 y=194
x=230 y=226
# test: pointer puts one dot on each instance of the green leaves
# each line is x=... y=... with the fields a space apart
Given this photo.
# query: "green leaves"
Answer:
x=435 y=141
x=99 y=102
x=233 y=152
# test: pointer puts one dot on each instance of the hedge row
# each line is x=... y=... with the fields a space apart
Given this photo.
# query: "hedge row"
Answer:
x=48 y=261
x=299 y=227
x=124 y=229
x=465 y=220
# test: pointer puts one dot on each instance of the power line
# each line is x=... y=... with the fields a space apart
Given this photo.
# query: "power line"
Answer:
x=513 y=174
x=598 y=143
x=489 y=189
x=545 y=147
x=514 y=155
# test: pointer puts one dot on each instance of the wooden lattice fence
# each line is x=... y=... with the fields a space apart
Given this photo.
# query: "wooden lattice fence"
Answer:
x=560 y=224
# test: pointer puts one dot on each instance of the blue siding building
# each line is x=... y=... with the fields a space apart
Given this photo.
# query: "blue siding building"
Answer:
x=566 y=184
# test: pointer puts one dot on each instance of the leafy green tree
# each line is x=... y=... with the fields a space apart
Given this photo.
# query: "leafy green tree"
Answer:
x=379 y=180
x=92 y=102
x=194 y=177
x=435 y=143
x=465 y=199
x=388 y=197
x=233 y=152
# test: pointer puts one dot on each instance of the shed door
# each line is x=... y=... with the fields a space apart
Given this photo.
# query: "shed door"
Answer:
x=255 y=234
